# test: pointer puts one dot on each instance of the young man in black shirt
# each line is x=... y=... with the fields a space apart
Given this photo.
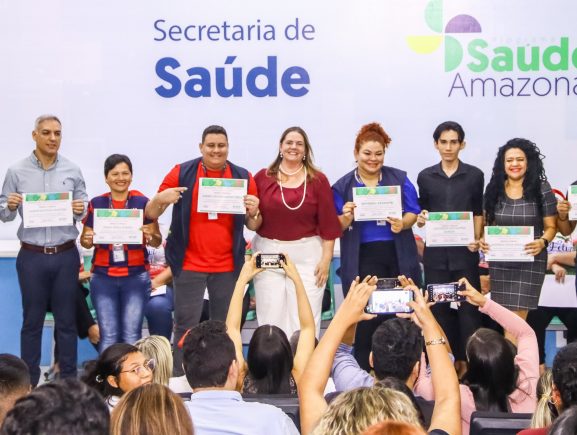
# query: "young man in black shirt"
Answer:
x=452 y=185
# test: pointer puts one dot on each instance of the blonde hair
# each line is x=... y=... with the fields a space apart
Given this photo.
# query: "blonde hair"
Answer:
x=356 y=410
x=158 y=348
x=391 y=427
x=542 y=416
x=150 y=409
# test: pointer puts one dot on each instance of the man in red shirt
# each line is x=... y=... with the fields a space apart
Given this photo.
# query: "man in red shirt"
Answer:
x=203 y=250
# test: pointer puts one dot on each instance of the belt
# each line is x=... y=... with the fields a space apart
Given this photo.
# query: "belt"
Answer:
x=49 y=249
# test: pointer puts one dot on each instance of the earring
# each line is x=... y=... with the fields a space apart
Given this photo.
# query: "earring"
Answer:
x=280 y=155
x=304 y=158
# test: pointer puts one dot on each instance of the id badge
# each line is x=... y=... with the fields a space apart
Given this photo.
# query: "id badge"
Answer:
x=212 y=216
x=382 y=223
x=118 y=254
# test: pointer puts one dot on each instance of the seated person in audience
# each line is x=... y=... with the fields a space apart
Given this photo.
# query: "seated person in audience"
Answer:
x=272 y=369
x=160 y=305
x=150 y=409
x=213 y=372
x=390 y=427
x=118 y=370
x=313 y=407
x=563 y=393
x=14 y=382
x=63 y=407
x=157 y=348
x=496 y=378
x=397 y=350
x=566 y=423
x=545 y=412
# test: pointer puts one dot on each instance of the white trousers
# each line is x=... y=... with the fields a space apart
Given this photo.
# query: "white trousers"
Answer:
x=276 y=302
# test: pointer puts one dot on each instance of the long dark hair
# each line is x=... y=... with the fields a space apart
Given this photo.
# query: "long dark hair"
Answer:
x=270 y=360
x=534 y=177
x=109 y=363
x=492 y=374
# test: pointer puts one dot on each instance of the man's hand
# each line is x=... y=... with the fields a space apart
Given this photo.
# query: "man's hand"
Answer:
x=78 y=206
x=14 y=201
x=422 y=218
x=171 y=195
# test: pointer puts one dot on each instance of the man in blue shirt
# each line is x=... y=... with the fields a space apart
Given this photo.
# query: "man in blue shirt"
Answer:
x=216 y=407
x=48 y=261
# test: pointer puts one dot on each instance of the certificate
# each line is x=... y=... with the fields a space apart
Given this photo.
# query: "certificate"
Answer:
x=450 y=228
x=47 y=209
x=377 y=203
x=113 y=226
x=221 y=195
x=572 y=198
x=508 y=243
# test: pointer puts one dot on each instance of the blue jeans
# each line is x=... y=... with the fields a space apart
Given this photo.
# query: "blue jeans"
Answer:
x=119 y=303
x=158 y=312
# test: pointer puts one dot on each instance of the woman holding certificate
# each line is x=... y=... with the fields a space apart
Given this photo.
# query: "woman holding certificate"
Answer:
x=120 y=282
x=375 y=241
x=518 y=194
x=298 y=219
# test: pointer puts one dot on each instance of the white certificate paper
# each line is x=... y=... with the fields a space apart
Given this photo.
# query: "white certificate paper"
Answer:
x=221 y=195
x=118 y=226
x=377 y=203
x=450 y=228
x=508 y=243
x=47 y=209
x=572 y=198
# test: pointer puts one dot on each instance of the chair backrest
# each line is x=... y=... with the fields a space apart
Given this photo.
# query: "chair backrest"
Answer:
x=287 y=402
x=498 y=423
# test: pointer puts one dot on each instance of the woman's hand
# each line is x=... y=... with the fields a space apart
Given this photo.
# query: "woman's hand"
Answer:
x=249 y=270
x=471 y=293
x=535 y=247
x=483 y=246
x=559 y=272
x=396 y=224
x=353 y=307
x=474 y=246
x=290 y=268
x=322 y=273
x=421 y=314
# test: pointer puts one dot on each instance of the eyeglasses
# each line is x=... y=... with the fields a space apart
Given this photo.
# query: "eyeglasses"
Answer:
x=144 y=369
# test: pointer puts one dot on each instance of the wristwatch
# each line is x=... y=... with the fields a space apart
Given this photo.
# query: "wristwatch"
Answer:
x=545 y=241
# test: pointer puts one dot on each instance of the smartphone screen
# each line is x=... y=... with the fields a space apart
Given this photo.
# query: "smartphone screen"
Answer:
x=389 y=302
x=387 y=283
x=441 y=293
x=269 y=261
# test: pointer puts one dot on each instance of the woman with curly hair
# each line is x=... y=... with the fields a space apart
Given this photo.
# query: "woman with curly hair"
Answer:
x=382 y=248
x=519 y=194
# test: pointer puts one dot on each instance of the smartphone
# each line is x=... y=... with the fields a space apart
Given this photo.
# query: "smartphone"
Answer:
x=269 y=261
x=441 y=293
x=387 y=283
x=389 y=301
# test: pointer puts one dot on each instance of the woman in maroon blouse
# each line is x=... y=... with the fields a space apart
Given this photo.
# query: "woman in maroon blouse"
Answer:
x=299 y=219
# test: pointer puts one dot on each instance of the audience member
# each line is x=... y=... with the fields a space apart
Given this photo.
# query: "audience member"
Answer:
x=313 y=407
x=496 y=378
x=66 y=406
x=150 y=409
x=14 y=382
x=397 y=351
x=546 y=411
x=213 y=373
x=272 y=369
x=157 y=348
x=566 y=424
x=119 y=369
x=390 y=427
